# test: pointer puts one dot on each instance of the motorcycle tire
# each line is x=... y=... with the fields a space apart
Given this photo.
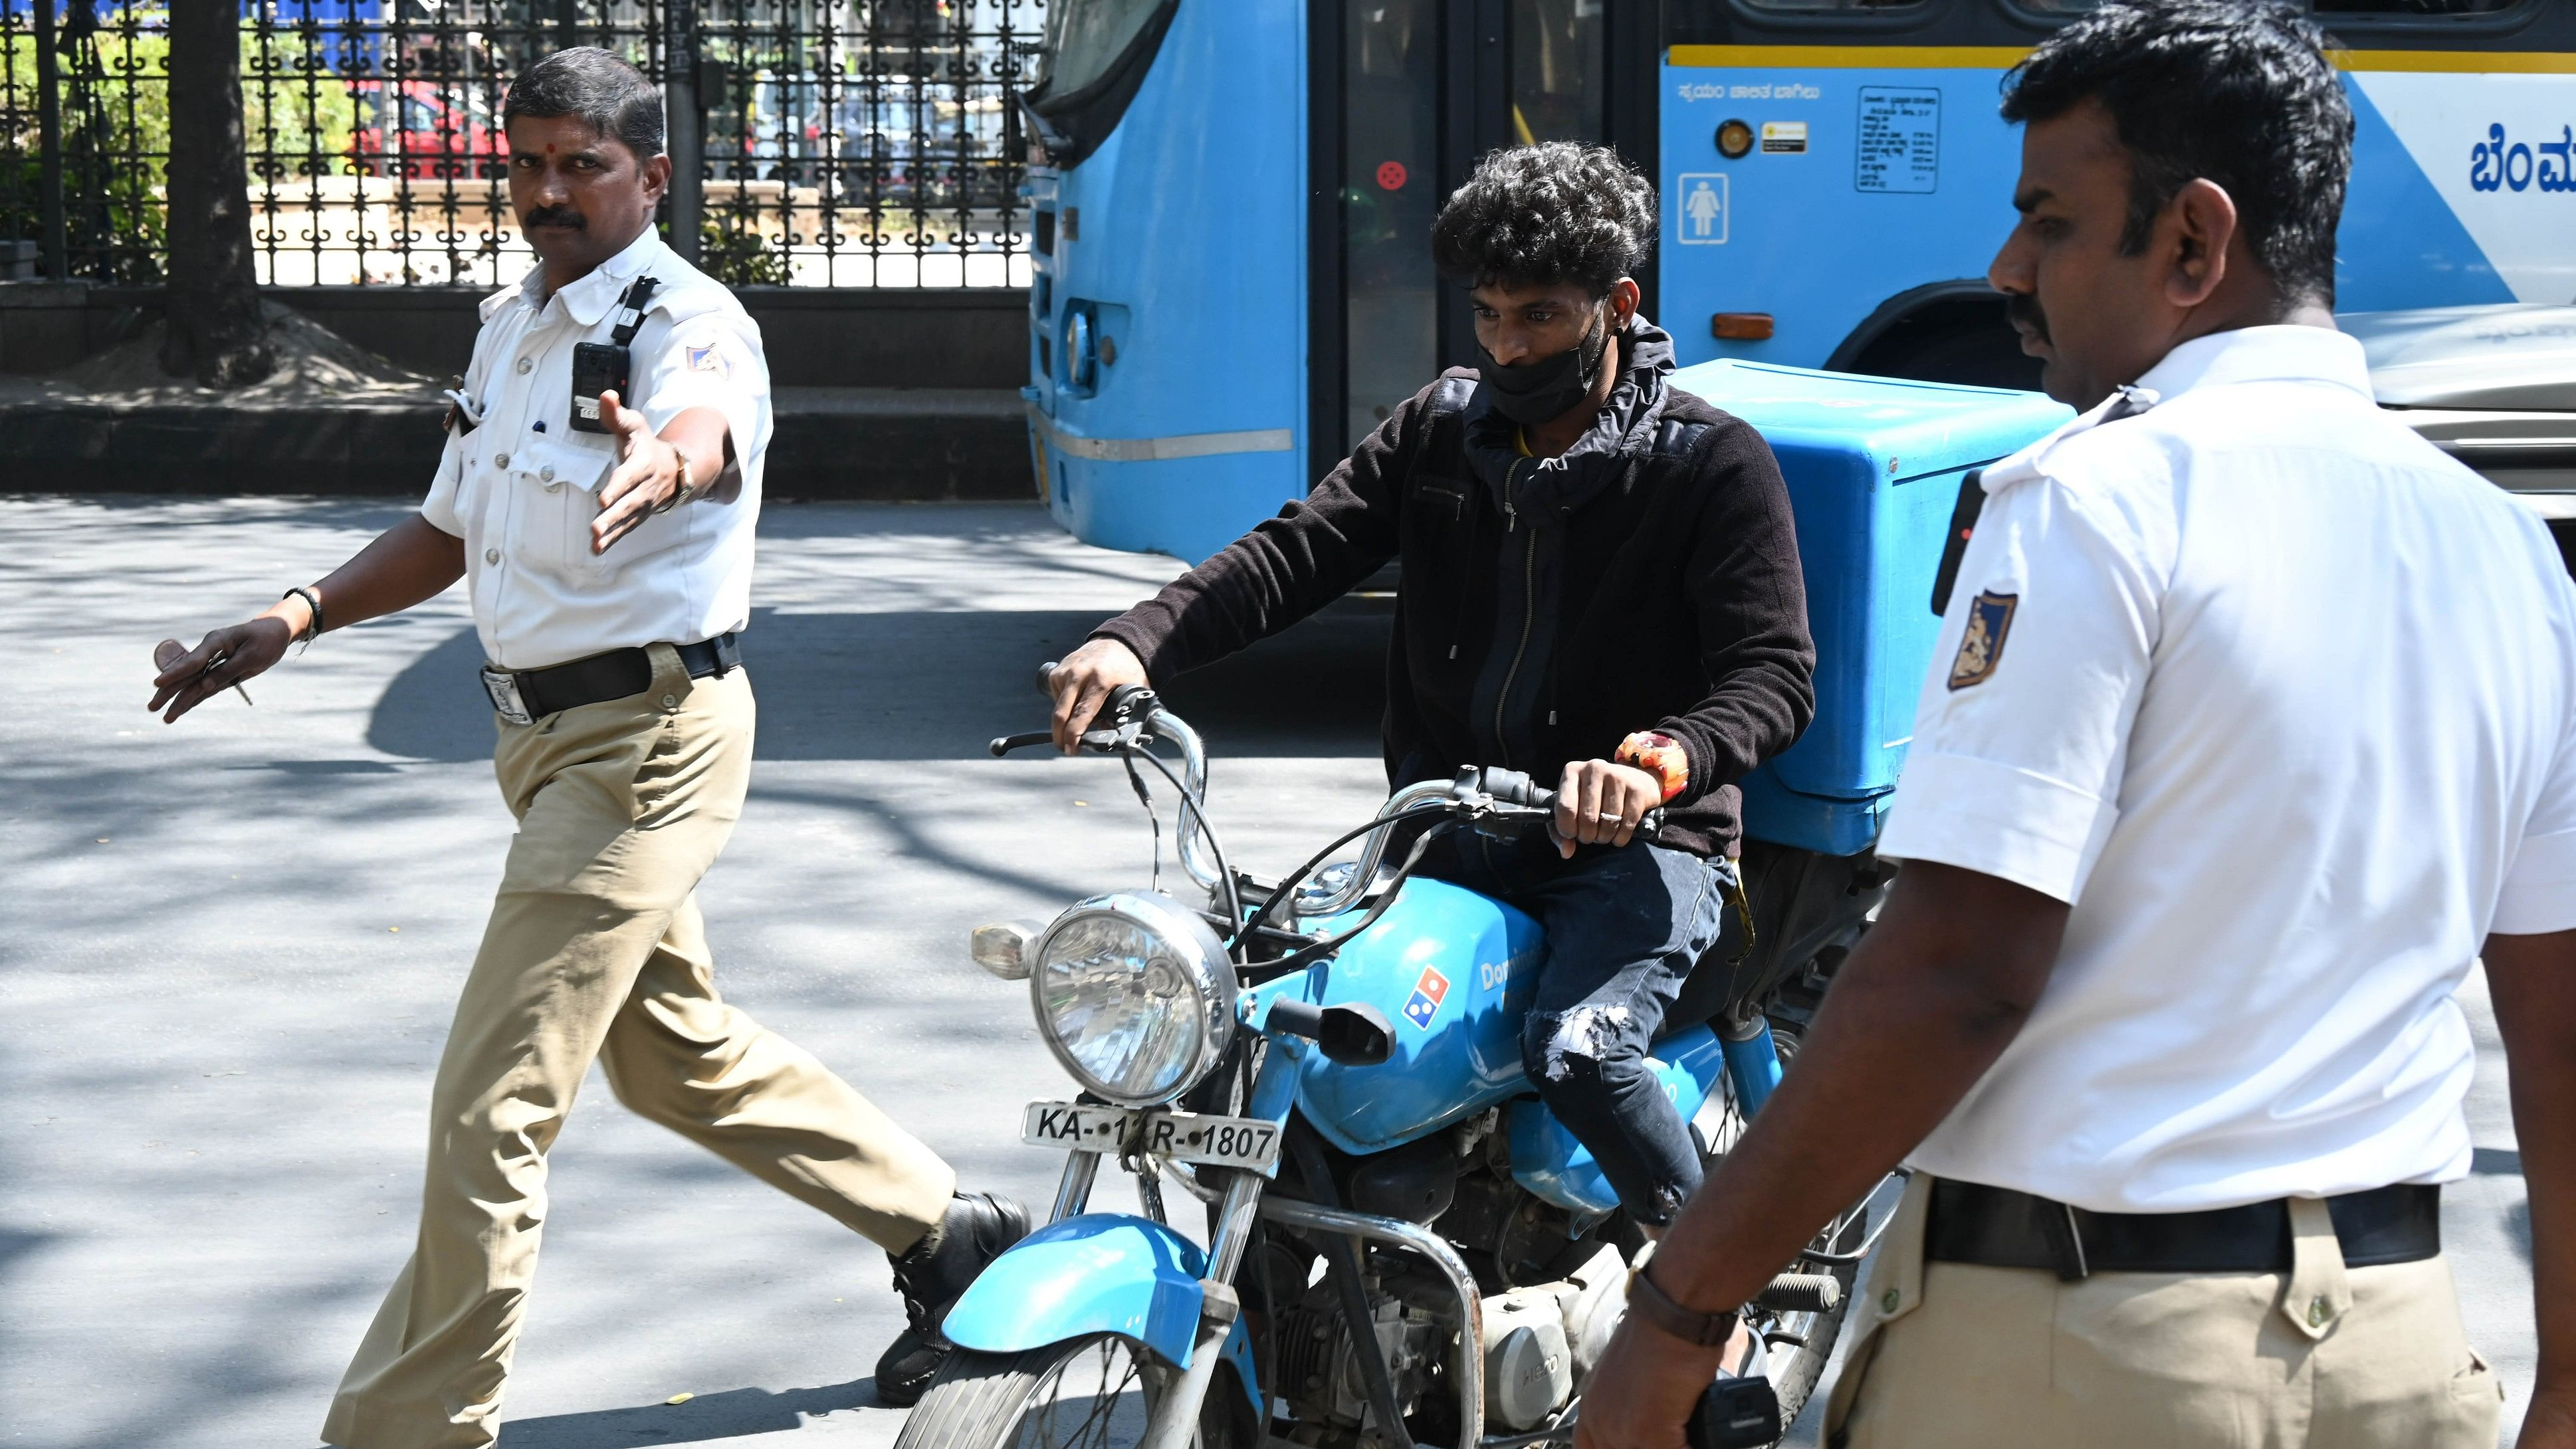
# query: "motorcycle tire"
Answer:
x=1795 y=1382
x=1069 y=1395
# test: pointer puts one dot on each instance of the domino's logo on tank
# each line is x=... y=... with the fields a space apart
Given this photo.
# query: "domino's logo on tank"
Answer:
x=2497 y=164
x=1429 y=990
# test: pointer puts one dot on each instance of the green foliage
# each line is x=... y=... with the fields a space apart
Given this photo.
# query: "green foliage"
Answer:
x=116 y=145
x=739 y=258
x=298 y=116
x=298 y=119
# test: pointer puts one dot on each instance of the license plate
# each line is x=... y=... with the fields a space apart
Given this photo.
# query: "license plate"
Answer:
x=1246 y=1142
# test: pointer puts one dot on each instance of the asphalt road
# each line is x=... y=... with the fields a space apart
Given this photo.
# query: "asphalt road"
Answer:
x=229 y=949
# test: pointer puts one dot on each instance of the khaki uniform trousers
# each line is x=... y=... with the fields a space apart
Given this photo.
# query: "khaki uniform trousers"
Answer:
x=1957 y=1356
x=595 y=949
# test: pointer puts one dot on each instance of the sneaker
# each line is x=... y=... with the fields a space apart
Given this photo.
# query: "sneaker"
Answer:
x=931 y=1276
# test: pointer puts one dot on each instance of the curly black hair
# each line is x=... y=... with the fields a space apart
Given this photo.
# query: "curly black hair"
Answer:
x=1535 y=216
x=2241 y=93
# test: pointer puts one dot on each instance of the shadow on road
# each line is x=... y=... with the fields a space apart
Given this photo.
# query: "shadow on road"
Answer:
x=732 y=1414
x=861 y=686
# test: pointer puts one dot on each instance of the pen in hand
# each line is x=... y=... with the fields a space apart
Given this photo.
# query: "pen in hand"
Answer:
x=171 y=651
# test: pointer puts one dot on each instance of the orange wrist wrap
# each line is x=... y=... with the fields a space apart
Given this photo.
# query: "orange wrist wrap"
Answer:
x=1659 y=755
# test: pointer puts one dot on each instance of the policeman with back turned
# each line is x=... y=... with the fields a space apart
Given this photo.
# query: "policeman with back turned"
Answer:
x=597 y=494
x=2252 y=724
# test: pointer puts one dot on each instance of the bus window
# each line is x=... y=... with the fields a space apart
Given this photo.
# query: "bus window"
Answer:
x=1557 y=71
x=1390 y=191
x=1086 y=37
x=2395 y=9
x=2412 y=7
x=1863 y=7
x=1097 y=52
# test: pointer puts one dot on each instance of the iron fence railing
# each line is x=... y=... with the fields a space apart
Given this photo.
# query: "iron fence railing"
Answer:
x=842 y=143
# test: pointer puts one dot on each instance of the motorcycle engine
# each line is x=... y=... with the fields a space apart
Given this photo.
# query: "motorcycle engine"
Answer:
x=1539 y=1343
x=1319 y=1368
x=1543 y=1340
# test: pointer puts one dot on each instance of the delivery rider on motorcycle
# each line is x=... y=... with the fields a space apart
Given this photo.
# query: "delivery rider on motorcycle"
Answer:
x=1600 y=585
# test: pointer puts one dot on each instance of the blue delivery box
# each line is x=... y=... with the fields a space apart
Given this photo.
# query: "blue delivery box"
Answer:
x=1873 y=466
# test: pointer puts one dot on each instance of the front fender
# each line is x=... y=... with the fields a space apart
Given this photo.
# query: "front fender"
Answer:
x=1096 y=1273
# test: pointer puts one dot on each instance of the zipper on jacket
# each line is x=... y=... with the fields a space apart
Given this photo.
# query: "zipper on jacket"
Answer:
x=1529 y=618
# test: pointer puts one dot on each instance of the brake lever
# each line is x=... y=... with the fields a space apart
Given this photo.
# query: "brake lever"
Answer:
x=1498 y=820
x=1094 y=742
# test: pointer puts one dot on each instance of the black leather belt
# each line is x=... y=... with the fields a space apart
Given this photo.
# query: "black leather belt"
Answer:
x=527 y=695
x=1999 y=1228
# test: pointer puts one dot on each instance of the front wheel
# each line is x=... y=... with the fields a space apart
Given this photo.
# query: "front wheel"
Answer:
x=1086 y=1393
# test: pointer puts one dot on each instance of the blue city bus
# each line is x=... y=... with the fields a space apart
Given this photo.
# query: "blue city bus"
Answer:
x=1232 y=285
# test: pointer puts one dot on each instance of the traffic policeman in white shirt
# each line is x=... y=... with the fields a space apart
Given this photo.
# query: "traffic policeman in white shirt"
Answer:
x=597 y=493
x=2252 y=724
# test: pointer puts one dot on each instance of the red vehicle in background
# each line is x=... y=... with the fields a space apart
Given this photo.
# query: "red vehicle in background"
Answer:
x=426 y=130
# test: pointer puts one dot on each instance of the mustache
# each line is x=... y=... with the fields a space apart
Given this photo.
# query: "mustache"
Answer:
x=563 y=216
x=2022 y=309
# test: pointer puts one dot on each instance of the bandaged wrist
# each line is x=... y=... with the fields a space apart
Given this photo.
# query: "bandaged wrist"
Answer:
x=1659 y=755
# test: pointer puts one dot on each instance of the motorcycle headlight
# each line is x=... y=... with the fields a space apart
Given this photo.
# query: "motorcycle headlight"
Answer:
x=1134 y=995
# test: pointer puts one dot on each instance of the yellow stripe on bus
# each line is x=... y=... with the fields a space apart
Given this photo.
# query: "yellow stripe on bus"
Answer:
x=2004 y=57
x=2470 y=62
x=1853 y=57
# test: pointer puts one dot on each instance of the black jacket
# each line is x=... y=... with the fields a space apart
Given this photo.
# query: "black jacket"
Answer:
x=1647 y=579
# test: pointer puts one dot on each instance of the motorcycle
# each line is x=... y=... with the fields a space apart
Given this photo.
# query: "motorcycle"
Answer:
x=1403 y=1246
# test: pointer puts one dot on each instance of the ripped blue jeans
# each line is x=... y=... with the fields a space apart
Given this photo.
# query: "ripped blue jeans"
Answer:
x=1624 y=926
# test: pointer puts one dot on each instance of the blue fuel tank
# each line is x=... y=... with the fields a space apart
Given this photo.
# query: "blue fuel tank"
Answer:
x=1454 y=972
x=1873 y=466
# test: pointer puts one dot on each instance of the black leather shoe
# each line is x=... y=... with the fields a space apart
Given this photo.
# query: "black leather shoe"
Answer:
x=907 y=1367
x=931 y=1275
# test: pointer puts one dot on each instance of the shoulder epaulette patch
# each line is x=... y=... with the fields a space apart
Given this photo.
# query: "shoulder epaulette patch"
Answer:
x=1981 y=645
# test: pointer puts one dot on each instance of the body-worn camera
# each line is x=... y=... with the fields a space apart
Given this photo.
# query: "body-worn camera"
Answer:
x=599 y=367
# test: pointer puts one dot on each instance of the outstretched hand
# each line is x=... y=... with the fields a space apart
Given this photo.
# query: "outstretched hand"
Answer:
x=646 y=476
x=236 y=653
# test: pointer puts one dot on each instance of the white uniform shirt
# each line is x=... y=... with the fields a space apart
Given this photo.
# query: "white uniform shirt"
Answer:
x=2283 y=702
x=519 y=488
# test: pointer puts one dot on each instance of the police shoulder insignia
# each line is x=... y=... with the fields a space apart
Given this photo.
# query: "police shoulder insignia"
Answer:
x=1981 y=645
x=709 y=359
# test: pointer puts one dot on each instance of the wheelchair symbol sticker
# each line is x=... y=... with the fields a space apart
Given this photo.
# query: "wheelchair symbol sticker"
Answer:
x=1428 y=993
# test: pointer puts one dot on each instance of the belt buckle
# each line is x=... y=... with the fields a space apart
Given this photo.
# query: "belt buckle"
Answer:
x=503 y=687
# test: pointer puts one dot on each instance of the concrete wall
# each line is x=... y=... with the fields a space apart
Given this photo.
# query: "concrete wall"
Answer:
x=965 y=337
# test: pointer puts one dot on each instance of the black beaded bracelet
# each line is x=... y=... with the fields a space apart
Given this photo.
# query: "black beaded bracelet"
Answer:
x=313 y=601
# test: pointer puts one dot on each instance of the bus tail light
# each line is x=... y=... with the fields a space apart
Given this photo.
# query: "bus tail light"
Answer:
x=1741 y=326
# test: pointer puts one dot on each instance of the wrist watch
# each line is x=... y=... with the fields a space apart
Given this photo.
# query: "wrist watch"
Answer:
x=685 y=491
x=1655 y=1306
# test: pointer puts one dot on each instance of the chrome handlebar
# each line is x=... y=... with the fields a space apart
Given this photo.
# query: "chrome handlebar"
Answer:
x=1490 y=799
x=1163 y=724
x=1129 y=714
x=1372 y=852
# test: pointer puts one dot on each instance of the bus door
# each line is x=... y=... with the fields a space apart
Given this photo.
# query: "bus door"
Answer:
x=1403 y=96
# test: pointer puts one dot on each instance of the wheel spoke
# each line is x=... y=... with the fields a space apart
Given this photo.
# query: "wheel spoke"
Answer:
x=1053 y=1400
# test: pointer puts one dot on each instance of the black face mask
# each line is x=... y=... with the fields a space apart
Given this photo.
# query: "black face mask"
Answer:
x=1533 y=392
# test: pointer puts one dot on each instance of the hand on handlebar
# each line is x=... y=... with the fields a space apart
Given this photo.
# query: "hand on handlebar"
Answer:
x=1083 y=682
x=1599 y=803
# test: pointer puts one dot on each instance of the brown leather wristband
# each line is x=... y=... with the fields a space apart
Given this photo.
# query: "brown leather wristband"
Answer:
x=1655 y=1306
